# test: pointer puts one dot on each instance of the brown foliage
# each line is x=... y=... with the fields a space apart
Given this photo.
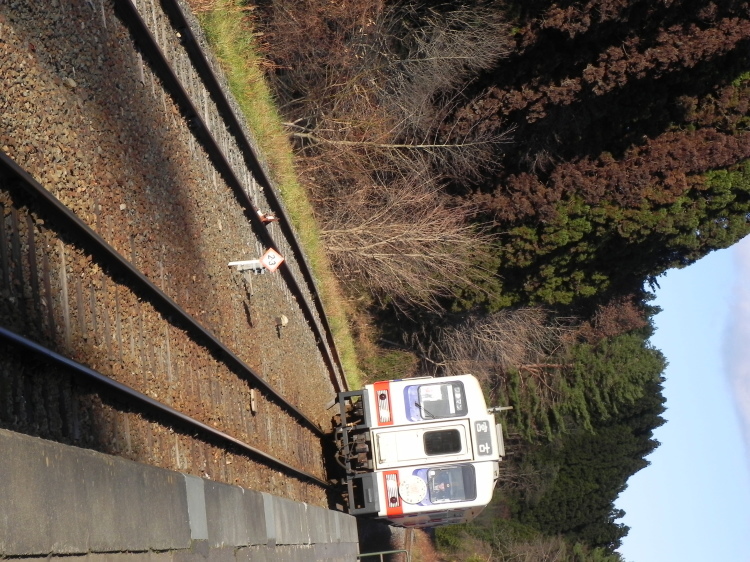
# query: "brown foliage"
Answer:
x=658 y=172
x=604 y=77
x=618 y=316
x=673 y=50
x=365 y=88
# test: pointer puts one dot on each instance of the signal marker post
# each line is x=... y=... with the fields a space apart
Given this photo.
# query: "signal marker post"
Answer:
x=270 y=261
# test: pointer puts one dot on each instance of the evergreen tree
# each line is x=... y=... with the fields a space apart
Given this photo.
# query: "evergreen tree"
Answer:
x=624 y=112
x=619 y=404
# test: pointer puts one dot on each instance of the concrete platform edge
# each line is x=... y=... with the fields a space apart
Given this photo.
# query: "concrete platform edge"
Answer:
x=59 y=500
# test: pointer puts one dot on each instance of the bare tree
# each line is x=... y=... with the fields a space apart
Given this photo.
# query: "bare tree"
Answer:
x=520 y=355
x=533 y=481
x=403 y=242
x=431 y=53
x=525 y=339
x=367 y=103
x=392 y=106
x=541 y=549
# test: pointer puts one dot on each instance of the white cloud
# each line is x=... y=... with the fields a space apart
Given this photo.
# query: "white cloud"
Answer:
x=738 y=343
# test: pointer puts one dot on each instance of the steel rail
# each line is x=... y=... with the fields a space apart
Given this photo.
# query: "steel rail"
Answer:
x=149 y=402
x=10 y=171
x=142 y=36
x=195 y=52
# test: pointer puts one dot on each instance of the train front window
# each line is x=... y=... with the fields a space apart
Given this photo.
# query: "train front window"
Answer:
x=442 y=442
x=442 y=400
x=452 y=484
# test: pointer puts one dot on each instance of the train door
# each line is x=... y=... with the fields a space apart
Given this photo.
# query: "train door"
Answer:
x=407 y=446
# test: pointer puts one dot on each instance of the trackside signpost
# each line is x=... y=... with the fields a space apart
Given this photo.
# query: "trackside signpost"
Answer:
x=271 y=260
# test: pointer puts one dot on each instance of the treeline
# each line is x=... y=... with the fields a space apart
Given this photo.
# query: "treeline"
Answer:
x=625 y=111
x=500 y=184
x=586 y=136
x=587 y=397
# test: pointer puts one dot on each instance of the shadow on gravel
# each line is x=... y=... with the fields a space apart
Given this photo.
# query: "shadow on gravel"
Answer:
x=378 y=536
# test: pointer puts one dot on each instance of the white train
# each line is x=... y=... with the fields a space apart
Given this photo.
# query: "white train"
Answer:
x=419 y=452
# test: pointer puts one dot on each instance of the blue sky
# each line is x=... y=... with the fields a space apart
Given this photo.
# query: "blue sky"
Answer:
x=693 y=502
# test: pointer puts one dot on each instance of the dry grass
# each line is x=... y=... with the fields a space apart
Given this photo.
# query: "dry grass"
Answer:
x=423 y=548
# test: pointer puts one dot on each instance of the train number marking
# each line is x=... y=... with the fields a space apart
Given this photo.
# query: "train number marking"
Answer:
x=484 y=438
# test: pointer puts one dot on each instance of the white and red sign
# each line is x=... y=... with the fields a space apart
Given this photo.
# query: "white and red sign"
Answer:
x=271 y=260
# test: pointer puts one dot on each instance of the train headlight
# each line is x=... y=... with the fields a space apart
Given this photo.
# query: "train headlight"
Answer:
x=391 y=489
x=383 y=397
x=384 y=407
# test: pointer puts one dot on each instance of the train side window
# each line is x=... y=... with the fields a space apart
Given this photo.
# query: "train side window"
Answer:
x=442 y=400
x=442 y=442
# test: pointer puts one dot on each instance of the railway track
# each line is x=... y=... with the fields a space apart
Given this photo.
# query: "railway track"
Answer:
x=64 y=285
x=127 y=394
x=126 y=186
x=134 y=15
x=20 y=187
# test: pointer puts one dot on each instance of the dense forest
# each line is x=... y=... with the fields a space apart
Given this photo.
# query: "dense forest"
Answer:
x=500 y=185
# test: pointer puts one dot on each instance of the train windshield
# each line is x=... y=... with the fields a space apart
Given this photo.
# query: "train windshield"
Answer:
x=452 y=484
x=443 y=400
